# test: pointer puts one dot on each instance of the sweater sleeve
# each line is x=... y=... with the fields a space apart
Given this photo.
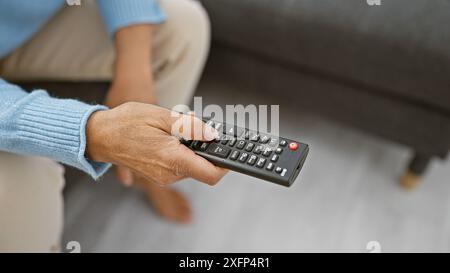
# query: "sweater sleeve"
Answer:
x=37 y=124
x=121 y=13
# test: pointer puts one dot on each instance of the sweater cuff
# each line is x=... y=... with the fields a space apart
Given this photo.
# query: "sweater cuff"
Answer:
x=59 y=126
x=118 y=13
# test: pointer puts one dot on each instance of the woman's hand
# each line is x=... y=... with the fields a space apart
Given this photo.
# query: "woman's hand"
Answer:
x=133 y=77
x=121 y=91
x=142 y=138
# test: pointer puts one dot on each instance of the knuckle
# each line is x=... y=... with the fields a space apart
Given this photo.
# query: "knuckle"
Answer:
x=213 y=179
x=176 y=166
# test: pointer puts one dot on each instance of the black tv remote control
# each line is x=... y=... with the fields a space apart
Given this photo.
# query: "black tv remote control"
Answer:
x=278 y=160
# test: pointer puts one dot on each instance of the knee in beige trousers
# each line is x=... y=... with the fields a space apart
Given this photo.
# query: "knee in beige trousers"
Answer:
x=74 y=46
x=31 y=203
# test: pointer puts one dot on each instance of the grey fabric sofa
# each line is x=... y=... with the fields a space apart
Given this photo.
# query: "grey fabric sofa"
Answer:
x=382 y=69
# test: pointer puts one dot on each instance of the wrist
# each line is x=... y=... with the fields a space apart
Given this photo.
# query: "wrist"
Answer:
x=133 y=46
x=96 y=137
x=127 y=73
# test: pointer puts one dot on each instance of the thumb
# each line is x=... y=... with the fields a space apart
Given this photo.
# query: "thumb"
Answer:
x=125 y=176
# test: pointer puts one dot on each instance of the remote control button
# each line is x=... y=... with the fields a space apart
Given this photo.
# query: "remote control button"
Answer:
x=261 y=162
x=241 y=144
x=243 y=157
x=234 y=155
x=254 y=137
x=278 y=169
x=233 y=130
x=249 y=147
x=283 y=143
x=217 y=126
x=186 y=142
x=258 y=149
x=267 y=152
x=279 y=150
x=232 y=142
x=283 y=172
x=224 y=141
x=264 y=139
x=293 y=146
x=273 y=142
x=270 y=166
x=219 y=151
x=210 y=123
x=229 y=130
x=246 y=135
x=274 y=158
x=252 y=160
x=204 y=146
x=196 y=144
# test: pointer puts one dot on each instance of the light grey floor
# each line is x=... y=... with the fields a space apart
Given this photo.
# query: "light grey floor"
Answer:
x=346 y=196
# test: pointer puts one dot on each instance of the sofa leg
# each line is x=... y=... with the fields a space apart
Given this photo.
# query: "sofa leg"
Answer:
x=415 y=170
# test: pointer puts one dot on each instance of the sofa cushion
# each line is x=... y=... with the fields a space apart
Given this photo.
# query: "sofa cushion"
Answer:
x=400 y=48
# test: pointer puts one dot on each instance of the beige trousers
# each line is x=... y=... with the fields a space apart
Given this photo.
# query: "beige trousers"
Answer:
x=75 y=46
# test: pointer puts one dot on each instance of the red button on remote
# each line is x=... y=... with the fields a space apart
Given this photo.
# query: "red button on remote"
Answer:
x=293 y=146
